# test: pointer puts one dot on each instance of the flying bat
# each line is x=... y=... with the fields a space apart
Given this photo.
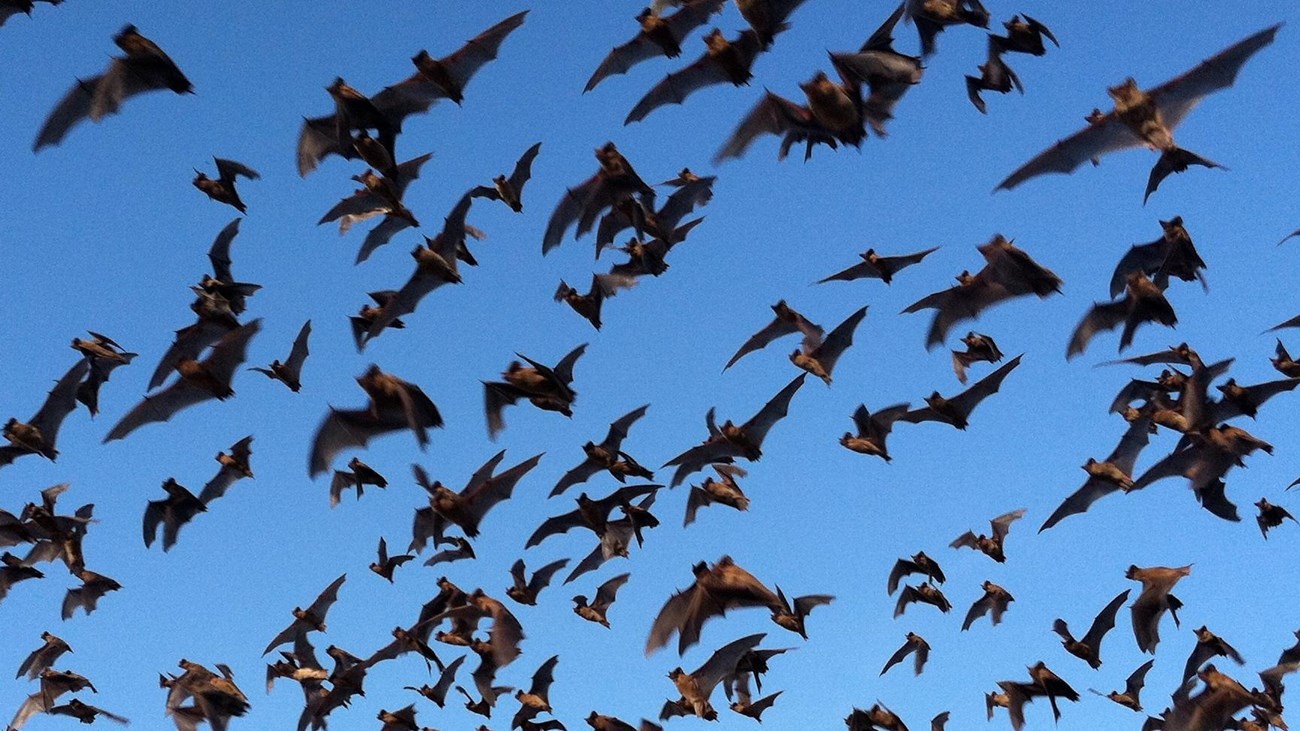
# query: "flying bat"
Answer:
x=385 y=565
x=1108 y=476
x=39 y=434
x=234 y=467
x=820 y=361
x=311 y=619
x=990 y=545
x=723 y=62
x=510 y=190
x=995 y=75
x=145 y=67
x=395 y=404
x=1171 y=255
x=956 y=410
x=787 y=321
x=607 y=455
x=729 y=441
x=366 y=203
x=717 y=588
x=659 y=36
x=1147 y=118
x=925 y=594
x=222 y=188
x=361 y=475
x=1143 y=302
x=483 y=491
x=10 y=8
x=933 y=16
x=873 y=429
x=290 y=371
x=104 y=355
x=178 y=508
x=434 y=79
x=596 y=610
x=1088 y=648
x=919 y=563
x=1131 y=697
x=994 y=601
x=546 y=388
x=615 y=181
x=1150 y=606
x=198 y=381
x=525 y=590
x=915 y=644
x=875 y=266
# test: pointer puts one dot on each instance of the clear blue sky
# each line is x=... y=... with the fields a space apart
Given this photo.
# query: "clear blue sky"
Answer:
x=105 y=232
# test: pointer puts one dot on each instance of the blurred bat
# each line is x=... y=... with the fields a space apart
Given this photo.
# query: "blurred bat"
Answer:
x=724 y=61
x=222 y=189
x=290 y=371
x=956 y=410
x=659 y=36
x=178 y=508
x=39 y=434
x=787 y=322
x=1088 y=648
x=875 y=266
x=509 y=190
x=394 y=405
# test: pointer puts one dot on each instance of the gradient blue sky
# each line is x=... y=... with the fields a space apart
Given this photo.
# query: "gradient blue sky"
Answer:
x=104 y=232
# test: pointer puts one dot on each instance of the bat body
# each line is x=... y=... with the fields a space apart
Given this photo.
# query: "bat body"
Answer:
x=222 y=188
x=395 y=404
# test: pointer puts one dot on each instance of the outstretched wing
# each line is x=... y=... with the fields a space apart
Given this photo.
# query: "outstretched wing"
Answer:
x=1108 y=134
x=1178 y=96
x=343 y=429
x=772 y=412
x=774 y=115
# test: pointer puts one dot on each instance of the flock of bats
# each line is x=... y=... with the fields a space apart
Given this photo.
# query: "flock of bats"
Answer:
x=614 y=202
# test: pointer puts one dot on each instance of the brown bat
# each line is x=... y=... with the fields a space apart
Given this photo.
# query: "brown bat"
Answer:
x=918 y=564
x=724 y=492
x=1150 y=606
x=978 y=348
x=179 y=508
x=438 y=692
x=93 y=587
x=311 y=619
x=697 y=686
x=290 y=371
x=509 y=190
x=791 y=615
x=198 y=381
x=607 y=455
x=365 y=204
x=915 y=644
x=546 y=388
x=744 y=704
x=385 y=565
x=104 y=356
x=234 y=467
x=875 y=266
x=615 y=181
x=1147 y=118
x=660 y=224
x=926 y=594
x=1088 y=648
x=1270 y=516
x=606 y=593
x=85 y=713
x=603 y=286
x=361 y=475
x=1025 y=36
x=39 y=434
x=787 y=322
x=525 y=590
x=933 y=16
x=716 y=589
x=1171 y=255
x=43 y=657
x=833 y=114
x=729 y=441
x=876 y=717
x=1108 y=476
x=820 y=361
x=1208 y=645
x=222 y=188
x=483 y=491
x=990 y=545
x=994 y=601
x=1143 y=302
x=14 y=570
x=591 y=514
x=144 y=68
x=659 y=36
x=888 y=73
x=995 y=75
x=723 y=62
x=1131 y=697
x=394 y=405
x=536 y=699
x=434 y=79
x=956 y=410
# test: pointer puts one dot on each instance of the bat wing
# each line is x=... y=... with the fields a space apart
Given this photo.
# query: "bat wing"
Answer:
x=60 y=402
x=618 y=430
x=1145 y=258
x=542 y=577
x=678 y=85
x=773 y=411
x=318 y=139
x=839 y=339
x=327 y=597
x=219 y=252
x=623 y=58
x=1080 y=500
x=1104 y=623
x=1178 y=96
x=229 y=169
x=608 y=591
x=716 y=449
x=902 y=652
x=722 y=663
x=382 y=234
x=298 y=353
x=343 y=429
x=1002 y=524
x=774 y=115
x=1135 y=682
x=189 y=342
x=575 y=476
x=965 y=540
x=74 y=107
x=1107 y=135
x=217 y=486
x=569 y=210
x=161 y=406
x=967 y=400
x=981 y=607
x=496 y=396
x=483 y=496
x=777 y=328
x=857 y=271
x=465 y=62
x=1135 y=439
x=524 y=168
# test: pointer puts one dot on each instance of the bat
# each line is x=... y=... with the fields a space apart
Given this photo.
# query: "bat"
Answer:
x=546 y=388
x=729 y=441
x=956 y=410
x=104 y=356
x=716 y=589
x=361 y=475
x=310 y=619
x=662 y=224
x=724 y=492
x=510 y=190
x=1173 y=254
x=10 y=8
x=990 y=545
x=791 y=616
x=438 y=692
x=767 y=17
x=1143 y=302
x=932 y=16
x=537 y=698
x=1088 y=648
x=875 y=266
x=697 y=686
x=1146 y=118
x=978 y=348
x=821 y=360
x=178 y=508
x=385 y=565
x=607 y=455
x=483 y=491
x=395 y=404
x=590 y=514
x=995 y=75
x=918 y=564
x=198 y=381
x=222 y=189
x=994 y=601
x=888 y=73
x=659 y=36
x=788 y=321
x=433 y=80
x=1131 y=697
x=915 y=644
x=290 y=371
x=616 y=180
x=93 y=587
x=606 y=593
x=525 y=590
x=144 y=68
x=43 y=657
x=40 y=433
x=234 y=467
x=1150 y=606
x=603 y=286
x=1105 y=477
x=1208 y=645
x=723 y=62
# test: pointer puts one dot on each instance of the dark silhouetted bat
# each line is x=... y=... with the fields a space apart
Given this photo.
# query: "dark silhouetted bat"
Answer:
x=546 y=388
x=873 y=429
x=361 y=475
x=1088 y=648
x=1131 y=697
x=932 y=16
x=990 y=545
x=697 y=686
x=888 y=73
x=820 y=361
x=995 y=75
x=724 y=62
x=729 y=441
x=198 y=381
x=606 y=593
x=875 y=266
x=10 y=8
x=434 y=79
x=39 y=434
x=607 y=455
x=1147 y=118
x=1171 y=255
x=290 y=371
x=311 y=619
x=603 y=286
x=716 y=589
x=787 y=322
x=1105 y=477
x=234 y=467
x=394 y=405
x=222 y=188
x=178 y=508
x=483 y=491
x=957 y=410
x=915 y=644
x=615 y=181
x=1143 y=302
x=525 y=590
x=1150 y=606
x=918 y=564
x=994 y=601
x=144 y=68
x=1208 y=645
x=104 y=356
x=510 y=190
x=659 y=36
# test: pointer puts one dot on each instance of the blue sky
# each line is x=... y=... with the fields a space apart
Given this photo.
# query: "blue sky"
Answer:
x=105 y=232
